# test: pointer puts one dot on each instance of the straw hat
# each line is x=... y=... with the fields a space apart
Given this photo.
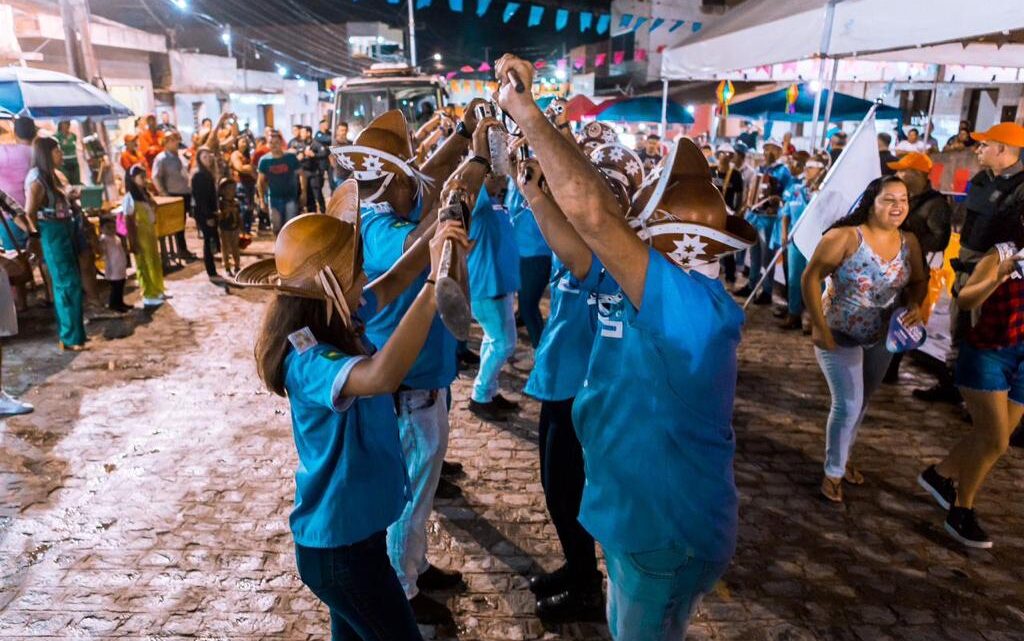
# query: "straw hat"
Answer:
x=381 y=151
x=682 y=215
x=316 y=256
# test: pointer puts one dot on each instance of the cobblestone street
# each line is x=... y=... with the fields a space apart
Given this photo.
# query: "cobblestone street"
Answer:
x=147 y=498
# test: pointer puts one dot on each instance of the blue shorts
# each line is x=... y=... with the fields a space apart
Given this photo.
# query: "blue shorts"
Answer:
x=992 y=370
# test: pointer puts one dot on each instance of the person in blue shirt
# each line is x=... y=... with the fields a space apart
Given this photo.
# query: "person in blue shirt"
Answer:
x=351 y=482
x=773 y=180
x=493 y=281
x=654 y=410
x=806 y=172
x=534 y=262
x=278 y=182
x=400 y=207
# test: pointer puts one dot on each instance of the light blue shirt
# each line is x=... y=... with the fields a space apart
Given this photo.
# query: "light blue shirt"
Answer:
x=351 y=480
x=384 y=233
x=494 y=262
x=794 y=201
x=654 y=416
x=560 y=362
x=528 y=235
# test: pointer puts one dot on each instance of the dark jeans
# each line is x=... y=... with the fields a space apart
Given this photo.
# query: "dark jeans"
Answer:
x=729 y=267
x=116 y=294
x=179 y=237
x=246 y=200
x=315 y=192
x=562 y=476
x=211 y=242
x=361 y=590
x=534 y=274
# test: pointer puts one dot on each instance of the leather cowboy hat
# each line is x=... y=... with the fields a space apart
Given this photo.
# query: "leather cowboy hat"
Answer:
x=382 y=151
x=316 y=256
x=622 y=167
x=595 y=134
x=682 y=215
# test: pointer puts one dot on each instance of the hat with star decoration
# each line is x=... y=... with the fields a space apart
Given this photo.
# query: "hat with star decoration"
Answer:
x=682 y=215
x=622 y=167
x=381 y=152
x=595 y=134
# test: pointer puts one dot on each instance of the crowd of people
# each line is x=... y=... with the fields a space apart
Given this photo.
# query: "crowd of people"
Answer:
x=646 y=253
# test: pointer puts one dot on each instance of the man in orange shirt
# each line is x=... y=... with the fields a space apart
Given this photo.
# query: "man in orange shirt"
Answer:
x=151 y=141
x=131 y=155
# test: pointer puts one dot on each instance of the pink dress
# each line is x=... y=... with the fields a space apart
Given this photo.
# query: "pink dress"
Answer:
x=15 y=162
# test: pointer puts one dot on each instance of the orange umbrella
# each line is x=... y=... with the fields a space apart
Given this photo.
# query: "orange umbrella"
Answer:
x=577 y=107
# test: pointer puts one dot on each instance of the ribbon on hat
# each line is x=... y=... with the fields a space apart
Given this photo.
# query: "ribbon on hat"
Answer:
x=377 y=170
x=335 y=296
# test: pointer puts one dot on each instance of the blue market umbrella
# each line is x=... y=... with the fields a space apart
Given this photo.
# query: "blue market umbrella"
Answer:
x=39 y=93
x=644 y=109
x=772 y=106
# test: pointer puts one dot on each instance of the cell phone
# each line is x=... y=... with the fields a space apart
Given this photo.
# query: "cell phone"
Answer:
x=483 y=110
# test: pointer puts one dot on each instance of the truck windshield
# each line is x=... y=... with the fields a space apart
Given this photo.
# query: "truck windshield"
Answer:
x=359 y=106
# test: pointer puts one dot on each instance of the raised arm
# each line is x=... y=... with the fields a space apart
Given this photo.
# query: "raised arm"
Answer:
x=577 y=186
x=559 y=234
x=383 y=372
x=990 y=273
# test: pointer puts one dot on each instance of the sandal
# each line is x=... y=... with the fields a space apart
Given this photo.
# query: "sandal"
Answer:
x=832 y=489
x=853 y=476
x=71 y=348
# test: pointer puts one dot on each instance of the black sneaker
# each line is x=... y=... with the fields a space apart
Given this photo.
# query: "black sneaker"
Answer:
x=428 y=611
x=939 y=393
x=487 y=411
x=764 y=298
x=940 y=487
x=962 y=525
x=437 y=579
x=780 y=312
x=552 y=583
x=447 y=490
x=583 y=604
x=1017 y=438
x=504 y=404
x=452 y=469
x=468 y=357
x=743 y=292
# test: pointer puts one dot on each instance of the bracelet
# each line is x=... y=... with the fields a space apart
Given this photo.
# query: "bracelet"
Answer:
x=480 y=160
x=462 y=130
x=431 y=281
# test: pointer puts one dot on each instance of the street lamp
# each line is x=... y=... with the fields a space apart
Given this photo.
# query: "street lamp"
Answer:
x=181 y=4
x=225 y=37
x=437 y=57
x=282 y=70
x=560 y=74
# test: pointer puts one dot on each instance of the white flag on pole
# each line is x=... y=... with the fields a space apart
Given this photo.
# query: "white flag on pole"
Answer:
x=853 y=170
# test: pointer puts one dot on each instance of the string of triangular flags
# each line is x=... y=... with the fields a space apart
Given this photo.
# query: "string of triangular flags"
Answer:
x=586 y=18
x=579 y=63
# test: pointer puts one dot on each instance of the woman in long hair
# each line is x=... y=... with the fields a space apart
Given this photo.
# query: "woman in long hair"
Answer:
x=204 y=193
x=140 y=214
x=49 y=211
x=351 y=483
x=872 y=266
x=990 y=375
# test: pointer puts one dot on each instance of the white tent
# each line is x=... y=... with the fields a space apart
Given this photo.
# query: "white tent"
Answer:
x=764 y=32
x=982 y=54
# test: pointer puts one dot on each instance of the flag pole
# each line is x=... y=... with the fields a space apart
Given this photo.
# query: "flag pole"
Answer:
x=771 y=269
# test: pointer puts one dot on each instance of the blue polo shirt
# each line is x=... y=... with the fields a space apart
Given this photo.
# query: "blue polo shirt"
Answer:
x=529 y=239
x=494 y=262
x=351 y=480
x=654 y=416
x=384 y=233
x=560 y=362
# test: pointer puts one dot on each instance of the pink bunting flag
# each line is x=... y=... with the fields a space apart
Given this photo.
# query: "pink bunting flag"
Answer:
x=484 y=66
x=450 y=75
x=618 y=57
x=579 y=62
x=599 y=59
x=641 y=54
x=540 y=64
x=466 y=69
x=561 y=63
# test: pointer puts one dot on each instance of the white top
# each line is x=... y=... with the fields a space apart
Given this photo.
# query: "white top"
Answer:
x=905 y=146
x=114 y=258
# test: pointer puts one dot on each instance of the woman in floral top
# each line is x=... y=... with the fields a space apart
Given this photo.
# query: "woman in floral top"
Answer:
x=872 y=267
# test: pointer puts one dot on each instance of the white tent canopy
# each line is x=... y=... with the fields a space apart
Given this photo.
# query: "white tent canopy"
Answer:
x=982 y=54
x=764 y=32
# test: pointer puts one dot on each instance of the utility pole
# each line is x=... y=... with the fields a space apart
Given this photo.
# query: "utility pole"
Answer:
x=82 y=62
x=412 y=35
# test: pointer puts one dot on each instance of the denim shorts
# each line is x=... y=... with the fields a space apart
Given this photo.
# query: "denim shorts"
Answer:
x=992 y=370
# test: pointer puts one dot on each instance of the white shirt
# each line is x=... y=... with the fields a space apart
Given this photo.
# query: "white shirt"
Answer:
x=114 y=259
x=906 y=147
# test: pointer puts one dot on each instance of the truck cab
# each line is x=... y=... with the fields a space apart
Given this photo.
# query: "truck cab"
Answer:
x=383 y=87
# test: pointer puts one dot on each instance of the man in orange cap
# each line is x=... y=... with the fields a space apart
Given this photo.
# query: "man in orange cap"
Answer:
x=995 y=200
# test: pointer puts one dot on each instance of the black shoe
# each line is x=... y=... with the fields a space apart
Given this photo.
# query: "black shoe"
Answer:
x=487 y=411
x=447 y=490
x=962 y=525
x=552 y=583
x=764 y=298
x=504 y=404
x=791 y=322
x=428 y=611
x=743 y=292
x=437 y=579
x=940 y=487
x=780 y=312
x=1017 y=438
x=468 y=357
x=189 y=258
x=573 y=605
x=452 y=469
x=939 y=393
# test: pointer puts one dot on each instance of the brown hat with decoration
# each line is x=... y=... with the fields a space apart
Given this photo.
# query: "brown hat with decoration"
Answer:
x=595 y=134
x=316 y=256
x=682 y=215
x=381 y=152
x=622 y=167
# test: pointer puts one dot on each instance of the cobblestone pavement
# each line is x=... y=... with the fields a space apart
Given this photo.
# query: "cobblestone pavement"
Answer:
x=147 y=498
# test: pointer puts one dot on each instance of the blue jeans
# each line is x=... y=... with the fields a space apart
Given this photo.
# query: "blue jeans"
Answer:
x=423 y=427
x=795 y=266
x=281 y=211
x=652 y=595
x=760 y=254
x=360 y=589
x=853 y=375
x=992 y=370
x=498 y=321
x=534 y=275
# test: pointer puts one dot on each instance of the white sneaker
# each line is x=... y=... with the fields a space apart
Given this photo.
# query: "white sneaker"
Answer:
x=10 y=406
